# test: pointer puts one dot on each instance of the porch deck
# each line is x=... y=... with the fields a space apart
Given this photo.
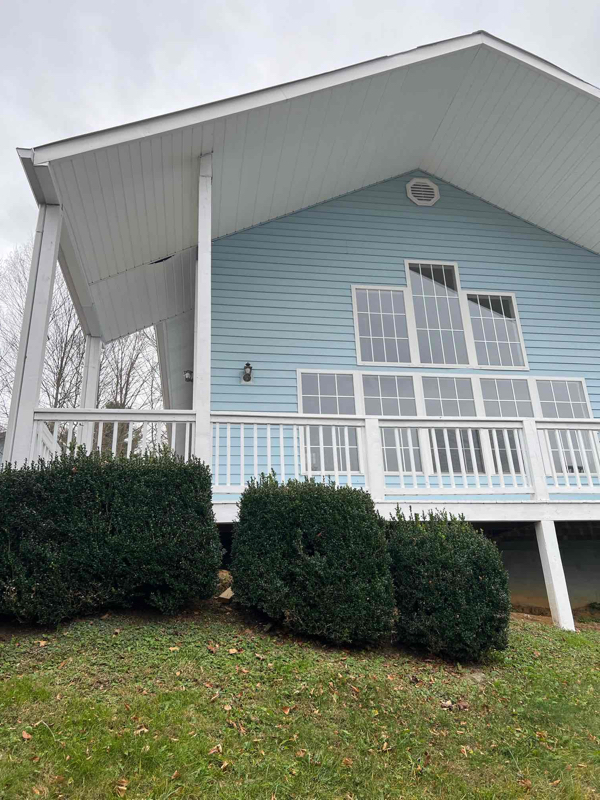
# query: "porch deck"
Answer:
x=489 y=470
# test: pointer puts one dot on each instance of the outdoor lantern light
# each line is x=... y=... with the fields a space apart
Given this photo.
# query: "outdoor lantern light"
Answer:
x=247 y=375
x=188 y=375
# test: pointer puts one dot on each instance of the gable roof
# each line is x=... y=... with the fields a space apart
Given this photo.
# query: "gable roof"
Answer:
x=478 y=112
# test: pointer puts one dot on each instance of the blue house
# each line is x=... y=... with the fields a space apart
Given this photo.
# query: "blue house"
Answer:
x=387 y=276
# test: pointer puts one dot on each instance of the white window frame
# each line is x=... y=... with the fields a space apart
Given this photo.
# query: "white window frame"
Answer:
x=359 y=398
x=409 y=324
x=495 y=293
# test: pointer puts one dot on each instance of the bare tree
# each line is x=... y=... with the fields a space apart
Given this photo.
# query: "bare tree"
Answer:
x=129 y=374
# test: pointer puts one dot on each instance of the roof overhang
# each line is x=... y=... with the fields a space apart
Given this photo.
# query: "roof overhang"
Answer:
x=478 y=112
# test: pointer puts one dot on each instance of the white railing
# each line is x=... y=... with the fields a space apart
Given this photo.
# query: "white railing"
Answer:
x=119 y=431
x=246 y=446
x=389 y=457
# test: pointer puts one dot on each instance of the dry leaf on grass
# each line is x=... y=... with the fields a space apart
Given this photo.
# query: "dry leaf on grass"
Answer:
x=26 y=736
x=218 y=748
x=173 y=649
x=347 y=762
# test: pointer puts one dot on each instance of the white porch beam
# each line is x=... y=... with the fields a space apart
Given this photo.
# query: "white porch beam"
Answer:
x=34 y=333
x=202 y=316
x=554 y=575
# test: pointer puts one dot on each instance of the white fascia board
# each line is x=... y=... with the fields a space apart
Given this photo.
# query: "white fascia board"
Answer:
x=287 y=91
x=154 y=126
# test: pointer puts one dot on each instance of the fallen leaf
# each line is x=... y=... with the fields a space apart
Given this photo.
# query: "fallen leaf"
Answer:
x=286 y=710
x=355 y=689
x=26 y=736
x=224 y=765
x=211 y=648
x=218 y=748
x=173 y=649
x=233 y=651
x=175 y=775
x=447 y=704
x=227 y=708
x=301 y=753
x=260 y=658
x=140 y=730
x=347 y=762
x=555 y=783
x=35 y=759
x=42 y=643
x=386 y=747
x=526 y=784
x=105 y=616
x=117 y=631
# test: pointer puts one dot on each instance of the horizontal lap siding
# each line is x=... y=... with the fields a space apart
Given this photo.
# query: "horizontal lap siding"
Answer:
x=282 y=299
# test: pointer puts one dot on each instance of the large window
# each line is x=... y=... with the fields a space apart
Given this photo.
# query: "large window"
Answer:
x=495 y=330
x=562 y=399
x=327 y=394
x=448 y=397
x=381 y=327
x=389 y=395
x=438 y=318
x=506 y=398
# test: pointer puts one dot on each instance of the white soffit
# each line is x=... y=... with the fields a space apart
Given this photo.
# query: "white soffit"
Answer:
x=475 y=111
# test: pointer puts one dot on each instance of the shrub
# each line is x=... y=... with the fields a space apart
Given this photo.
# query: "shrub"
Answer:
x=314 y=556
x=450 y=584
x=87 y=531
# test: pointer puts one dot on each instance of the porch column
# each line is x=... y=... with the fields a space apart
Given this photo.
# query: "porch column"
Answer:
x=89 y=385
x=554 y=575
x=34 y=332
x=202 y=316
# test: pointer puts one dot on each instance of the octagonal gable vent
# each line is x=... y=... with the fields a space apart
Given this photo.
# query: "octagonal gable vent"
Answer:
x=422 y=191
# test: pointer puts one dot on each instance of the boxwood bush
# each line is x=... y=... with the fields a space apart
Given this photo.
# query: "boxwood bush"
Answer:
x=88 y=531
x=450 y=584
x=314 y=556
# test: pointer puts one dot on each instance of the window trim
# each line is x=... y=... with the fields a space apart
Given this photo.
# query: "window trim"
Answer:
x=409 y=324
x=357 y=376
x=513 y=297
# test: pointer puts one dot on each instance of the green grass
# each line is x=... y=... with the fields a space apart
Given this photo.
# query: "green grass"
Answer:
x=146 y=707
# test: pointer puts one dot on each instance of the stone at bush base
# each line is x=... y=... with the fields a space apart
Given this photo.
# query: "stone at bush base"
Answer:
x=314 y=557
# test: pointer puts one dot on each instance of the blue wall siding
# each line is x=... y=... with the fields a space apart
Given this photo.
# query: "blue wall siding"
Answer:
x=282 y=298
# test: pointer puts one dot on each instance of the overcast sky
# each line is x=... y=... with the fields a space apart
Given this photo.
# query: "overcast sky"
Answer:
x=72 y=66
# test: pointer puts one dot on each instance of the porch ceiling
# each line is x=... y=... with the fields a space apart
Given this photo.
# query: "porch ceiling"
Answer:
x=475 y=111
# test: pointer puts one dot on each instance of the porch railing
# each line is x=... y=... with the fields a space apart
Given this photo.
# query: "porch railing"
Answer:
x=390 y=457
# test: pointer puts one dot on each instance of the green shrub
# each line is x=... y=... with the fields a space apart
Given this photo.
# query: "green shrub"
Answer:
x=87 y=531
x=450 y=584
x=314 y=556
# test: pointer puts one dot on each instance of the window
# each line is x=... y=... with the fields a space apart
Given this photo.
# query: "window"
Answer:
x=389 y=395
x=327 y=394
x=381 y=327
x=331 y=449
x=495 y=330
x=401 y=452
x=562 y=399
x=448 y=397
x=506 y=398
x=440 y=328
x=447 y=446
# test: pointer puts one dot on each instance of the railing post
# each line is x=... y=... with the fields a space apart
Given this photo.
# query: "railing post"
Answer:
x=89 y=386
x=535 y=460
x=374 y=457
x=554 y=575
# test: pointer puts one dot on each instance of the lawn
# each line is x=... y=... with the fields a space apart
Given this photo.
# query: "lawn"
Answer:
x=211 y=705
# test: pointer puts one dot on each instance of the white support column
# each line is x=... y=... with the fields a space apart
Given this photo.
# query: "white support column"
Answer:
x=536 y=460
x=202 y=316
x=34 y=332
x=374 y=453
x=554 y=575
x=89 y=385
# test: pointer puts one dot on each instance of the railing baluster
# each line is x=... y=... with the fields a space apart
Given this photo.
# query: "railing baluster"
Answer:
x=563 y=461
x=114 y=437
x=498 y=457
x=228 y=453
x=242 y=456
x=268 y=448
x=281 y=453
x=186 y=444
x=295 y=435
x=334 y=442
x=217 y=454
x=349 y=480
x=551 y=457
x=449 y=457
x=509 y=457
x=518 y=434
x=436 y=457
x=322 y=452
x=255 y=452
x=144 y=437
x=173 y=435
x=473 y=454
x=584 y=457
x=461 y=457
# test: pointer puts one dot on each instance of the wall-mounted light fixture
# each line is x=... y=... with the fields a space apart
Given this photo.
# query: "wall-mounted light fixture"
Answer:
x=247 y=373
x=188 y=375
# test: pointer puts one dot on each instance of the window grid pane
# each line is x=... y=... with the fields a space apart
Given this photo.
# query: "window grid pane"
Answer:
x=449 y=397
x=440 y=329
x=495 y=330
x=389 y=395
x=562 y=399
x=327 y=394
x=506 y=398
x=382 y=327
x=334 y=447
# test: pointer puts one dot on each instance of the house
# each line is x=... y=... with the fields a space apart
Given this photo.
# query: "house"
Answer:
x=387 y=275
